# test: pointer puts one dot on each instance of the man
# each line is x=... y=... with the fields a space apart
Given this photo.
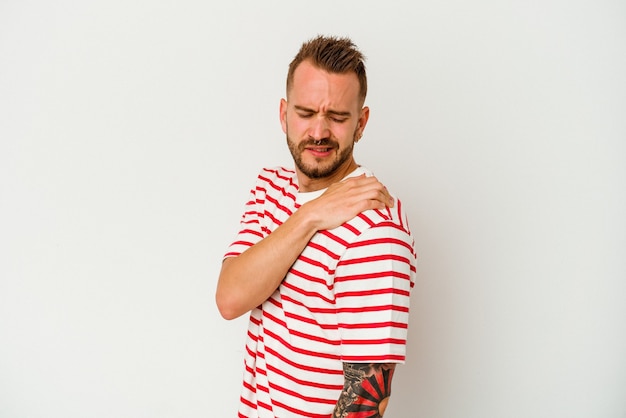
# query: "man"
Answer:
x=324 y=258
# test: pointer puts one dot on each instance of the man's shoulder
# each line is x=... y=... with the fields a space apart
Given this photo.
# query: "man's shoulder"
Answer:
x=373 y=226
x=389 y=217
x=277 y=175
x=394 y=218
x=275 y=183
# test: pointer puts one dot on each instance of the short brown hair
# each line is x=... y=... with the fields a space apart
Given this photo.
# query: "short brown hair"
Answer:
x=332 y=54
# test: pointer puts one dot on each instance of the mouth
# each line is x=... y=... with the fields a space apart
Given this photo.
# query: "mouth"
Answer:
x=320 y=148
x=319 y=151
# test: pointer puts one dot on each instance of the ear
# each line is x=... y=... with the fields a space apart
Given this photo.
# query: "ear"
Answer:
x=283 y=114
x=363 y=117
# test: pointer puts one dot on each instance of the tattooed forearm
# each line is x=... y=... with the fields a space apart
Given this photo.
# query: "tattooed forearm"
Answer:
x=366 y=390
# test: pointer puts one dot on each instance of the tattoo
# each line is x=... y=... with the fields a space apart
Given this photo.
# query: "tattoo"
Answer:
x=366 y=390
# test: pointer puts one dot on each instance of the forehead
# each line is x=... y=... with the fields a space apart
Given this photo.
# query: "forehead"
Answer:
x=313 y=83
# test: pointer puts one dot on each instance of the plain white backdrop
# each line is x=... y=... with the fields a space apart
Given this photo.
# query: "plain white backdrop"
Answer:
x=131 y=132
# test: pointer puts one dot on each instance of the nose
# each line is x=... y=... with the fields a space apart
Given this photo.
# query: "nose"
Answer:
x=319 y=128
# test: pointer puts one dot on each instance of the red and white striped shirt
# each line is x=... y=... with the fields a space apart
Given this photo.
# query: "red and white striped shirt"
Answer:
x=345 y=299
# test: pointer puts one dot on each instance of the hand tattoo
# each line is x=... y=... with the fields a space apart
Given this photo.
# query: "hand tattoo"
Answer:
x=366 y=390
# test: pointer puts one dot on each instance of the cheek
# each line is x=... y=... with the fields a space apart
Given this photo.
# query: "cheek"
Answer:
x=296 y=126
x=345 y=132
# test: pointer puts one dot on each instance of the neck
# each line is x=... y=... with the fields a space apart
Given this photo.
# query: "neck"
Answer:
x=307 y=184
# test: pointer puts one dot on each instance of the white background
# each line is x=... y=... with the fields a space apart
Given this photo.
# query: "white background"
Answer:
x=131 y=132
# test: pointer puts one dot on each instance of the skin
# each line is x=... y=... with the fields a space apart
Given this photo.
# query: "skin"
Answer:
x=322 y=117
x=366 y=390
x=325 y=109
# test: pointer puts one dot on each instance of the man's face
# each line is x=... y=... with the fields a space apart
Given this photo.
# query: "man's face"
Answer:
x=322 y=119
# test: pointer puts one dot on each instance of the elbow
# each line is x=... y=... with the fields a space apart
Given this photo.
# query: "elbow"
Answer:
x=228 y=297
x=228 y=314
x=226 y=307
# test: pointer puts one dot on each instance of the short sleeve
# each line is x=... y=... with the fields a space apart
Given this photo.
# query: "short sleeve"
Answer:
x=250 y=226
x=372 y=288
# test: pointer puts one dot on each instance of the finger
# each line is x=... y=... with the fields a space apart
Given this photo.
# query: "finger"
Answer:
x=373 y=189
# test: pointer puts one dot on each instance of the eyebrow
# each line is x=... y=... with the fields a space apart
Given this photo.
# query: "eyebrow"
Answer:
x=330 y=111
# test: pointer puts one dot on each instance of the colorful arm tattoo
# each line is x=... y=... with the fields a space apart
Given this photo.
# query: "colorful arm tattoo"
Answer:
x=366 y=390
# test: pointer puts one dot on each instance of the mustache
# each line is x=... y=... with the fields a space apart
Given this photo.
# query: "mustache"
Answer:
x=324 y=142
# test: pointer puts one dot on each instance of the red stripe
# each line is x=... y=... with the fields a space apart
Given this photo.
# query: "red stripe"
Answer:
x=246 y=243
x=279 y=170
x=374 y=342
x=366 y=219
x=377 y=275
x=393 y=225
x=391 y=291
x=279 y=206
x=324 y=250
x=275 y=302
x=310 y=321
x=302 y=366
x=373 y=359
x=399 y=209
x=374 y=309
x=277 y=188
x=310 y=278
x=252 y=336
x=314 y=354
x=387 y=324
x=308 y=308
x=253 y=389
x=303 y=382
x=380 y=241
x=247 y=403
x=254 y=320
x=351 y=228
x=316 y=263
x=252 y=354
x=265 y=406
x=300 y=396
x=253 y=372
x=307 y=293
x=251 y=213
x=274 y=219
x=334 y=237
x=348 y=310
x=313 y=338
x=251 y=231
x=382 y=257
x=297 y=333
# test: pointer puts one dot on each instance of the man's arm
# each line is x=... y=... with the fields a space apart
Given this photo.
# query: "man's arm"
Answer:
x=248 y=280
x=366 y=390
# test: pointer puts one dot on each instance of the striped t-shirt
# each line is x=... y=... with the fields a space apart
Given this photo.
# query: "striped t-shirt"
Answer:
x=345 y=299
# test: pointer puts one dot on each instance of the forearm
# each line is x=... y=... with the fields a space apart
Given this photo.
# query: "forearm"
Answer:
x=366 y=390
x=248 y=280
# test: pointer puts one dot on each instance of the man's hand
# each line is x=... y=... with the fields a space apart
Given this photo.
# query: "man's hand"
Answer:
x=344 y=200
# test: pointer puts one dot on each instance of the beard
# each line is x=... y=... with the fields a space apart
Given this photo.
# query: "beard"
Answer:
x=321 y=169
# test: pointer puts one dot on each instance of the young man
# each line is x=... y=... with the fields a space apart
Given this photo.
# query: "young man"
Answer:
x=324 y=258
